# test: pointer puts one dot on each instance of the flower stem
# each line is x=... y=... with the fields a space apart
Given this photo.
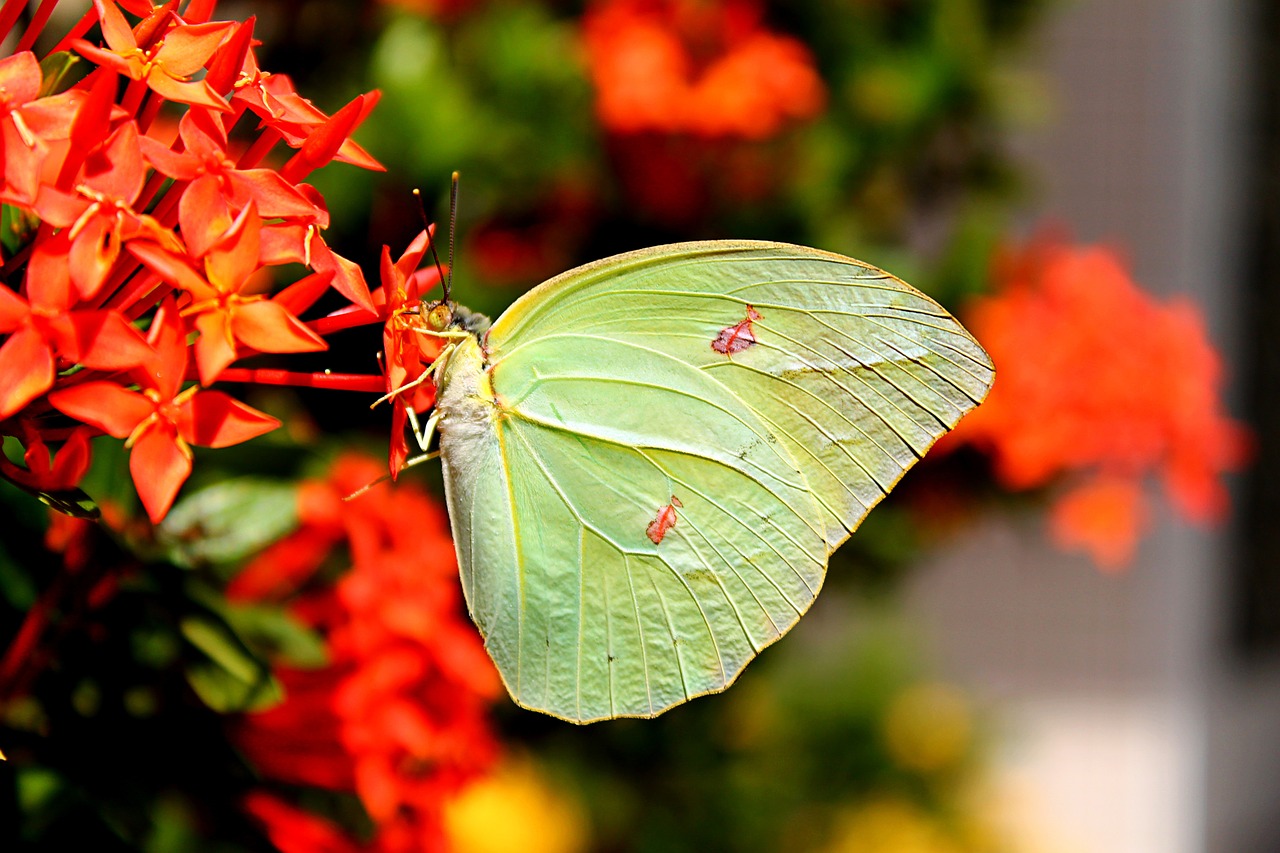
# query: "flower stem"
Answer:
x=82 y=26
x=366 y=383
x=255 y=152
x=9 y=16
x=38 y=20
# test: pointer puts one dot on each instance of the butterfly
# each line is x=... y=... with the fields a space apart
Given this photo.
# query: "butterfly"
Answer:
x=648 y=460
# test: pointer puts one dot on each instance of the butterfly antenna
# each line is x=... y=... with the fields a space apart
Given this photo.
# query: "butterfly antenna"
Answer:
x=453 y=230
x=431 y=240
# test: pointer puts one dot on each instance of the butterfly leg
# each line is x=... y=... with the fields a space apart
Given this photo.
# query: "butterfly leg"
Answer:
x=431 y=370
x=423 y=435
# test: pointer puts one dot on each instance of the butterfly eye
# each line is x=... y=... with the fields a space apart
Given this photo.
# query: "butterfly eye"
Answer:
x=440 y=317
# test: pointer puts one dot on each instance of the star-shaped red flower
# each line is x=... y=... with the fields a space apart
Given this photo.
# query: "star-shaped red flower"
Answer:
x=159 y=420
x=166 y=65
x=227 y=317
x=47 y=327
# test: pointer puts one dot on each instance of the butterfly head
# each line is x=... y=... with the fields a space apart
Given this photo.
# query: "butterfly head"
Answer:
x=442 y=315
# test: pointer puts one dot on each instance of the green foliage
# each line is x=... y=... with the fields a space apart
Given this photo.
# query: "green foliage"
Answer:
x=115 y=723
x=906 y=155
x=228 y=521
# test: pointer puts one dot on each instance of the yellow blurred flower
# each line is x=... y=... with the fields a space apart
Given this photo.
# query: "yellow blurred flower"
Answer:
x=928 y=727
x=515 y=808
x=889 y=826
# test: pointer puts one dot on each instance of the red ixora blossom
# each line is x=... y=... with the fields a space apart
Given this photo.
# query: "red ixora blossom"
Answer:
x=1099 y=383
x=399 y=716
x=159 y=421
x=707 y=69
x=119 y=228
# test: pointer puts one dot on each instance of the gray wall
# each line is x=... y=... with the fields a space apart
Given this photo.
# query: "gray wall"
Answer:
x=1128 y=725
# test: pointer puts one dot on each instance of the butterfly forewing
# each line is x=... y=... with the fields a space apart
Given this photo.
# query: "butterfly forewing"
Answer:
x=749 y=402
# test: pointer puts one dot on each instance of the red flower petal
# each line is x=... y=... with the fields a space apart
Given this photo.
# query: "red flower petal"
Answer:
x=235 y=257
x=174 y=164
x=59 y=208
x=413 y=255
x=187 y=48
x=14 y=311
x=117 y=170
x=167 y=369
x=20 y=79
x=195 y=93
x=103 y=58
x=111 y=408
x=203 y=135
x=204 y=214
x=348 y=278
x=93 y=252
x=172 y=269
x=159 y=465
x=23 y=164
x=268 y=327
x=26 y=370
x=293 y=830
x=276 y=198
x=229 y=59
x=91 y=117
x=48 y=277
x=66 y=470
x=398 y=452
x=213 y=419
x=215 y=348
x=284 y=243
x=304 y=292
x=71 y=462
x=115 y=29
x=103 y=340
x=323 y=142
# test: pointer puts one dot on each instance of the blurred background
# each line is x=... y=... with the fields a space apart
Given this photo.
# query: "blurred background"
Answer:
x=1028 y=647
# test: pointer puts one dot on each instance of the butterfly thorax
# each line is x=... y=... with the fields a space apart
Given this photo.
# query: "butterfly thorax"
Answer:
x=465 y=387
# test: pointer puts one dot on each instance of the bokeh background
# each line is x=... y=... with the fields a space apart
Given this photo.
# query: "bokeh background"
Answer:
x=971 y=679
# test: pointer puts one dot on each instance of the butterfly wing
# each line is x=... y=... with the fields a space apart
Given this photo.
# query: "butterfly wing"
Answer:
x=654 y=455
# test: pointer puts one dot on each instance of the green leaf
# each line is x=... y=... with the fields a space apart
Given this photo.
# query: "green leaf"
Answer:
x=54 y=68
x=225 y=694
x=231 y=679
x=277 y=635
x=228 y=521
x=37 y=786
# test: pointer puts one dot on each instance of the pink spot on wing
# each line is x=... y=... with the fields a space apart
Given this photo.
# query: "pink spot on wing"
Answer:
x=737 y=337
x=665 y=520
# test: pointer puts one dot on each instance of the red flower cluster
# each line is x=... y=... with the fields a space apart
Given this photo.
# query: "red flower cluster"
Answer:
x=707 y=69
x=1098 y=381
x=399 y=716
x=103 y=250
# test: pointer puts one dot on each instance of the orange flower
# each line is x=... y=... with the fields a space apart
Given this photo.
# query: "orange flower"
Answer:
x=707 y=69
x=168 y=65
x=1103 y=516
x=1099 y=381
x=400 y=715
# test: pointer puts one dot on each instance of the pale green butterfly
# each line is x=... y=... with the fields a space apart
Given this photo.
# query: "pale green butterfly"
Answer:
x=649 y=459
